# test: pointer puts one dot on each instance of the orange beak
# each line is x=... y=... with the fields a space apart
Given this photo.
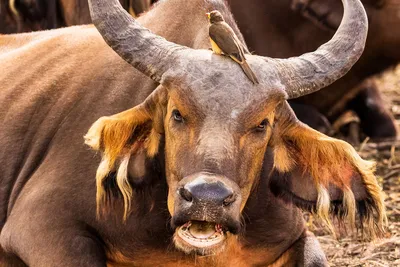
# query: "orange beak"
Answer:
x=208 y=15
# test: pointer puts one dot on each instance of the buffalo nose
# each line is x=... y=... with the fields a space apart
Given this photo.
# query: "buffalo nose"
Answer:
x=215 y=193
x=185 y=194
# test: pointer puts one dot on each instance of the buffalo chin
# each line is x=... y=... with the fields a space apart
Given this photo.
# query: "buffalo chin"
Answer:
x=200 y=237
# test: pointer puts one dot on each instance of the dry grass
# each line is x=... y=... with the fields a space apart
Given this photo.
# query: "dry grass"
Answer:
x=353 y=251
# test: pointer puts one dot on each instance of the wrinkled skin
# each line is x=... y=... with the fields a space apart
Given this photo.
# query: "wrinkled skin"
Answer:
x=235 y=152
x=292 y=27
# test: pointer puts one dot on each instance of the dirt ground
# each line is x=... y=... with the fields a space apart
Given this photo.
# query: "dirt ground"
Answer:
x=354 y=252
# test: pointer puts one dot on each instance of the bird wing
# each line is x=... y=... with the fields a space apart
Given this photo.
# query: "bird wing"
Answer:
x=227 y=41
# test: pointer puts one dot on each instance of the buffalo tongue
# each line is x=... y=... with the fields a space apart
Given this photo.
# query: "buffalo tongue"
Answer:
x=202 y=229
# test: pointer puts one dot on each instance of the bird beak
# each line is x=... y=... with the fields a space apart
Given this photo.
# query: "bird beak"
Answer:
x=208 y=15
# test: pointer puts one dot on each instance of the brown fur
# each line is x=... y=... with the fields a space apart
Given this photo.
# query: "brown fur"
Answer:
x=234 y=254
x=119 y=137
x=329 y=162
x=113 y=136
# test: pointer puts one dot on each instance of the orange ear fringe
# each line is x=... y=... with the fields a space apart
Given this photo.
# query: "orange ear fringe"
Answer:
x=331 y=161
x=112 y=135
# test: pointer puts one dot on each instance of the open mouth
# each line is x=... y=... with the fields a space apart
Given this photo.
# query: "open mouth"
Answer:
x=201 y=234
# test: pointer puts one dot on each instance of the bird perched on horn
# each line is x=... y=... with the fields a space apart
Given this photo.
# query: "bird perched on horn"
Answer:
x=224 y=41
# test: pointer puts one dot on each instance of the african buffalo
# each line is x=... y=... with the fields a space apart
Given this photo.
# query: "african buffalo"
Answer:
x=33 y=15
x=199 y=161
x=288 y=28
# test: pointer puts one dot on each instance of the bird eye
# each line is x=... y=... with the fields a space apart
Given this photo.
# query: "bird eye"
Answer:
x=177 y=115
x=263 y=125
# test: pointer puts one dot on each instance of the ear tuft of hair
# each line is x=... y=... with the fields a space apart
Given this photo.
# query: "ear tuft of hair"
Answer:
x=93 y=136
x=118 y=137
x=124 y=185
x=323 y=207
x=328 y=177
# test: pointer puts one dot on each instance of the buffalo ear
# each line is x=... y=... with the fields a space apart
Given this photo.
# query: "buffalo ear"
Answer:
x=121 y=138
x=324 y=175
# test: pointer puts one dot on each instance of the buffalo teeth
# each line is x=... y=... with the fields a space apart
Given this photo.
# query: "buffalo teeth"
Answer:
x=216 y=238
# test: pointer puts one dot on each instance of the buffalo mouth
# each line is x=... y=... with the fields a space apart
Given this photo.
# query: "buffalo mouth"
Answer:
x=200 y=237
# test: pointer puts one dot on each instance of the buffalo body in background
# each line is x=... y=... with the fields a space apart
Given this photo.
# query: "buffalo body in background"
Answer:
x=33 y=15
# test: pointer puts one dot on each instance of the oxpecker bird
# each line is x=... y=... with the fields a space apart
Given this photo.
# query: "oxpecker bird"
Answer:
x=224 y=41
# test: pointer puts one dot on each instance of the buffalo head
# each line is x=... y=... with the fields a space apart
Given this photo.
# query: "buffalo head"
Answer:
x=214 y=128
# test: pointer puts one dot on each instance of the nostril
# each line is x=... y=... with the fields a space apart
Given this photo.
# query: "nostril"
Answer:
x=185 y=194
x=229 y=200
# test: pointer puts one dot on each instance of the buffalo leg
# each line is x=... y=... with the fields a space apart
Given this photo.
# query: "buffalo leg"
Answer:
x=305 y=252
x=61 y=246
x=376 y=121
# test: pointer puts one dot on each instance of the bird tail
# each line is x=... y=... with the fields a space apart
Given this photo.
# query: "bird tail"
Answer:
x=249 y=73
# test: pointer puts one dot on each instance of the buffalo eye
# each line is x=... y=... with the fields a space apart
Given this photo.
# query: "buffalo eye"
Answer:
x=262 y=126
x=177 y=115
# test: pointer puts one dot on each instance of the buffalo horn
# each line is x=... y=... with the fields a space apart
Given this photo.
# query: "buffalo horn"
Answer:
x=310 y=72
x=147 y=52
